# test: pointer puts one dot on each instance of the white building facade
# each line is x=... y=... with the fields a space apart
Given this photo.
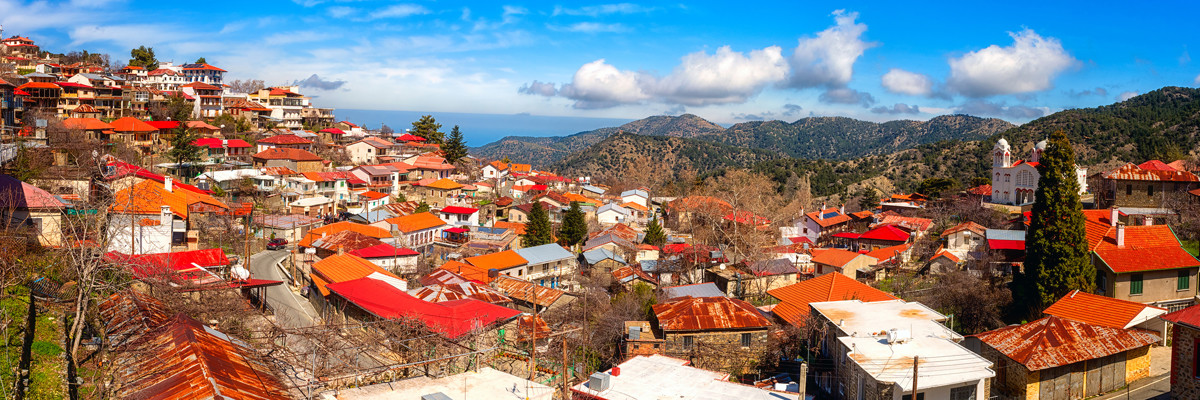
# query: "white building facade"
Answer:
x=1015 y=182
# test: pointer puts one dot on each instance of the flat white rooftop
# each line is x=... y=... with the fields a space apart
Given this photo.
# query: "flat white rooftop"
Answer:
x=487 y=384
x=942 y=362
x=659 y=377
x=856 y=318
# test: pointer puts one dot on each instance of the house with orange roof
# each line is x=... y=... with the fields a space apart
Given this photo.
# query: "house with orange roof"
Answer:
x=820 y=226
x=843 y=262
x=1152 y=184
x=967 y=240
x=284 y=141
x=150 y=217
x=1109 y=312
x=94 y=128
x=369 y=150
x=285 y=102
x=429 y=165
x=134 y=132
x=294 y=159
x=440 y=193
x=371 y=199
x=794 y=299
x=1141 y=263
x=346 y=267
x=418 y=231
x=206 y=101
x=495 y=170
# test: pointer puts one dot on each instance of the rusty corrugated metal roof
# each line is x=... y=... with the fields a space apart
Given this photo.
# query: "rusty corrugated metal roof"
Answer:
x=526 y=291
x=708 y=313
x=186 y=360
x=442 y=285
x=1052 y=341
x=527 y=325
x=128 y=314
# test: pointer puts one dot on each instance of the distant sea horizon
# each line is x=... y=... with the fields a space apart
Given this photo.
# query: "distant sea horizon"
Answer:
x=481 y=129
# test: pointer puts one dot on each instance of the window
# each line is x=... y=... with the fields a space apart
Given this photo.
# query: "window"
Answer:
x=963 y=393
x=1150 y=189
x=920 y=396
x=1129 y=189
x=1196 y=359
x=1184 y=281
x=1007 y=178
x=745 y=340
x=687 y=342
x=1135 y=284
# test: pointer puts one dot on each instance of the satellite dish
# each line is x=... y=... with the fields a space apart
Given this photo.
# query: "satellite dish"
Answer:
x=240 y=273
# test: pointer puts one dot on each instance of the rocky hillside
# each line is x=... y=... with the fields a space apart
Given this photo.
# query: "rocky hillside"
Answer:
x=842 y=138
x=656 y=159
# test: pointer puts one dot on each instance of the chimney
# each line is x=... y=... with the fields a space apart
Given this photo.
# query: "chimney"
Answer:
x=821 y=212
x=1112 y=218
x=842 y=208
x=225 y=143
x=165 y=215
x=1121 y=235
x=1149 y=220
x=168 y=184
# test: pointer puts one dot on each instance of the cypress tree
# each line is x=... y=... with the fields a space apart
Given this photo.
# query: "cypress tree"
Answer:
x=538 y=231
x=574 y=226
x=455 y=147
x=1056 y=255
x=654 y=233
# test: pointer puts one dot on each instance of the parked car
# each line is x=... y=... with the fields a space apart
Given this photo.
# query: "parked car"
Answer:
x=276 y=244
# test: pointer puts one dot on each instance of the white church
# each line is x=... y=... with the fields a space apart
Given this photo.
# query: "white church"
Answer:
x=1014 y=183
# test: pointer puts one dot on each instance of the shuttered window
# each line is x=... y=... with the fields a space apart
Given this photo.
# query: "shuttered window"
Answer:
x=1184 y=281
x=1135 y=284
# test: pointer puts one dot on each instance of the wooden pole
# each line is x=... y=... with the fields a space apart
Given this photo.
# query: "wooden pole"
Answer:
x=533 y=334
x=916 y=361
x=565 y=381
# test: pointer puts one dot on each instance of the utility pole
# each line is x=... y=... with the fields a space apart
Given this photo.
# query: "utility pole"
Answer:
x=565 y=381
x=803 y=379
x=533 y=334
x=916 y=362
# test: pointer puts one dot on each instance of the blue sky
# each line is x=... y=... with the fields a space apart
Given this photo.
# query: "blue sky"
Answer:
x=727 y=62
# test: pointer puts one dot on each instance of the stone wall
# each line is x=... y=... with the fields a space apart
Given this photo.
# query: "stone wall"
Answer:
x=1012 y=378
x=1184 y=384
x=1137 y=364
x=717 y=351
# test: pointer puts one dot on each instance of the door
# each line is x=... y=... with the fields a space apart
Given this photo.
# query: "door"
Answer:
x=1076 y=380
x=1049 y=386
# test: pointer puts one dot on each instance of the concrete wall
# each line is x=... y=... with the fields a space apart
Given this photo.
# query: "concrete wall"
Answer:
x=1113 y=192
x=1157 y=286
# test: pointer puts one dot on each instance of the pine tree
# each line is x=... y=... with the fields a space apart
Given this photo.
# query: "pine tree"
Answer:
x=421 y=207
x=428 y=128
x=1056 y=255
x=574 y=226
x=538 y=230
x=654 y=233
x=455 y=148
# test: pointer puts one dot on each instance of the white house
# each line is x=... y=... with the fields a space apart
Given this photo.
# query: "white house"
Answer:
x=460 y=216
x=874 y=345
x=1014 y=182
x=636 y=196
x=368 y=150
x=612 y=214
x=416 y=231
x=397 y=260
x=495 y=170
x=372 y=199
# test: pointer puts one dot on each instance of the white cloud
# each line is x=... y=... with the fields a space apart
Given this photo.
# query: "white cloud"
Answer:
x=1030 y=64
x=126 y=35
x=1129 y=95
x=538 y=88
x=600 y=85
x=828 y=59
x=980 y=107
x=725 y=76
x=589 y=27
x=392 y=11
x=904 y=82
x=603 y=9
x=1197 y=80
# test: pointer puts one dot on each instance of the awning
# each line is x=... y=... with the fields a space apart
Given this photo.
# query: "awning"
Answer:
x=997 y=244
x=458 y=230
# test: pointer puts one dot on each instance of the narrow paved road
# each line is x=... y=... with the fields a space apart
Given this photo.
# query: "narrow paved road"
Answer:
x=291 y=310
x=1156 y=388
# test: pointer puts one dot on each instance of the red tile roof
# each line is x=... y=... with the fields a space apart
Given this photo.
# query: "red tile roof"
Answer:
x=416 y=222
x=216 y=143
x=794 y=298
x=373 y=195
x=277 y=153
x=1053 y=341
x=201 y=86
x=888 y=253
x=499 y=260
x=1098 y=310
x=131 y=124
x=285 y=139
x=164 y=124
x=343 y=268
x=410 y=138
x=965 y=226
x=910 y=223
x=708 y=313
x=459 y=210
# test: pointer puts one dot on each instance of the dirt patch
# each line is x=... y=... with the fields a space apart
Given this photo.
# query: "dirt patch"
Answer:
x=915 y=314
x=1160 y=360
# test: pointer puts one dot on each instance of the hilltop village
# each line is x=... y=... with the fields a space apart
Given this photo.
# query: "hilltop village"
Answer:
x=171 y=234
